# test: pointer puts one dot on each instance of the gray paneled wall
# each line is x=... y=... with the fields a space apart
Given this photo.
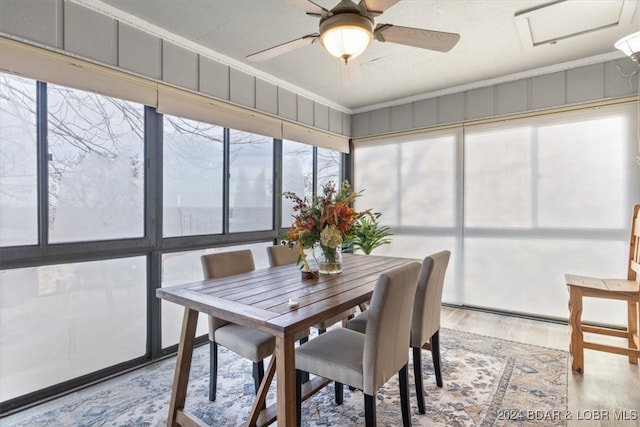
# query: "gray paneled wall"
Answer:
x=69 y=27
x=92 y=35
x=214 y=78
x=305 y=110
x=35 y=20
x=139 y=52
x=266 y=97
x=321 y=116
x=72 y=28
x=606 y=80
x=243 y=88
x=179 y=66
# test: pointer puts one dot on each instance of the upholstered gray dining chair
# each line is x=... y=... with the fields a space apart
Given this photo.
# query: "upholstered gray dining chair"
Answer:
x=282 y=255
x=367 y=361
x=247 y=342
x=425 y=323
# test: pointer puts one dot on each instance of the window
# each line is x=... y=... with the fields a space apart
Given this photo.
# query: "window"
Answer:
x=297 y=175
x=62 y=321
x=18 y=162
x=179 y=268
x=546 y=196
x=328 y=167
x=90 y=154
x=531 y=200
x=413 y=182
x=96 y=166
x=192 y=177
x=250 y=182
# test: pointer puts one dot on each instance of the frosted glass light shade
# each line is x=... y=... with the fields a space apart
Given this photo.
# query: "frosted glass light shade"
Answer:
x=346 y=35
x=630 y=45
x=346 y=42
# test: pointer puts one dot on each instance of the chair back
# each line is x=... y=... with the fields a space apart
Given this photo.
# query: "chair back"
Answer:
x=224 y=264
x=426 y=308
x=282 y=255
x=389 y=319
x=633 y=272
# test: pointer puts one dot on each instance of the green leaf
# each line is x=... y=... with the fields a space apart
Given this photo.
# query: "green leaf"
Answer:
x=369 y=234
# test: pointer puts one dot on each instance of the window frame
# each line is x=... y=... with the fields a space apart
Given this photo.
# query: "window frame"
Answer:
x=152 y=245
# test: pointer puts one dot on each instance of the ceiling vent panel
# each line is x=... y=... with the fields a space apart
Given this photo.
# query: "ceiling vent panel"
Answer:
x=569 y=18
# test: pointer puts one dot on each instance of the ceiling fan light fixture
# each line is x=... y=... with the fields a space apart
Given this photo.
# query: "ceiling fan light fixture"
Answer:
x=630 y=45
x=346 y=35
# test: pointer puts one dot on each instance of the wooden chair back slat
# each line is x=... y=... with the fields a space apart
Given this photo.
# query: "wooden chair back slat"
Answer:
x=634 y=246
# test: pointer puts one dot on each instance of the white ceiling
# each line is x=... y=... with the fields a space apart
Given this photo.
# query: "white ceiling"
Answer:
x=494 y=45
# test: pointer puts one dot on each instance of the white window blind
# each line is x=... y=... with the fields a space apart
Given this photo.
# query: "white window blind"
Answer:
x=545 y=196
x=414 y=182
x=530 y=200
x=297 y=132
x=201 y=108
x=52 y=67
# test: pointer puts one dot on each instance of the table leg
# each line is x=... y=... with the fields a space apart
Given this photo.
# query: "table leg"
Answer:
x=286 y=380
x=183 y=365
x=262 y=393
x=633 y=329
x=575 y=330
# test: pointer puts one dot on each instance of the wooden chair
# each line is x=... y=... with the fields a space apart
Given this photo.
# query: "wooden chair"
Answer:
x=425 y=323
x=618 y=289
x=283 y=255
x=367 y=361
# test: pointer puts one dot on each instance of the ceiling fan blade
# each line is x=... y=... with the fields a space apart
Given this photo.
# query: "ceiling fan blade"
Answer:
x=272 y=52
x=350 y=72
x=308 y=7
x=416 y=37
x=376 y=7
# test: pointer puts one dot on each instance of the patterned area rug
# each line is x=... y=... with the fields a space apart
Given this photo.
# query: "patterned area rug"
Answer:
x=487 y=381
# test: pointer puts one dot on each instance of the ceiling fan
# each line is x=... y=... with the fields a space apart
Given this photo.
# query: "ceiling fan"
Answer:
x=346 y=30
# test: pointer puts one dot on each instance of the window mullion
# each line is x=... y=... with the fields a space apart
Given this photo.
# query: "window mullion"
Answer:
x=43 y=164
x=226 y=176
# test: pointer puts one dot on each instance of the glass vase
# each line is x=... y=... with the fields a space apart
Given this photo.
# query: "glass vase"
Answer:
x=312 y=261
x=329 y=259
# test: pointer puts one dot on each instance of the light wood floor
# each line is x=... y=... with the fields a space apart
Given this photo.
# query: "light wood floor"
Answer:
x=610 y=385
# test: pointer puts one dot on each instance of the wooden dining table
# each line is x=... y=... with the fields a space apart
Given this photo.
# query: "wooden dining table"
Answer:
x=260 y=299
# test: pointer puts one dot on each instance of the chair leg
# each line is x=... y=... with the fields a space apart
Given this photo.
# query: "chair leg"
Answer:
x=369 y=411
x=213 y=370
x=435 y=354
x=321 y=331
x=258 y=376
x=417 y=377
x=575 y=330
x=299 y=380
x=305 y=377
x=403 y=375
x=632 y=328
x=339 y=389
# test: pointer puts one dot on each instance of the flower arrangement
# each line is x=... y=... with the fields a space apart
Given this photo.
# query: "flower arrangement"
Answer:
x=328 y=220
